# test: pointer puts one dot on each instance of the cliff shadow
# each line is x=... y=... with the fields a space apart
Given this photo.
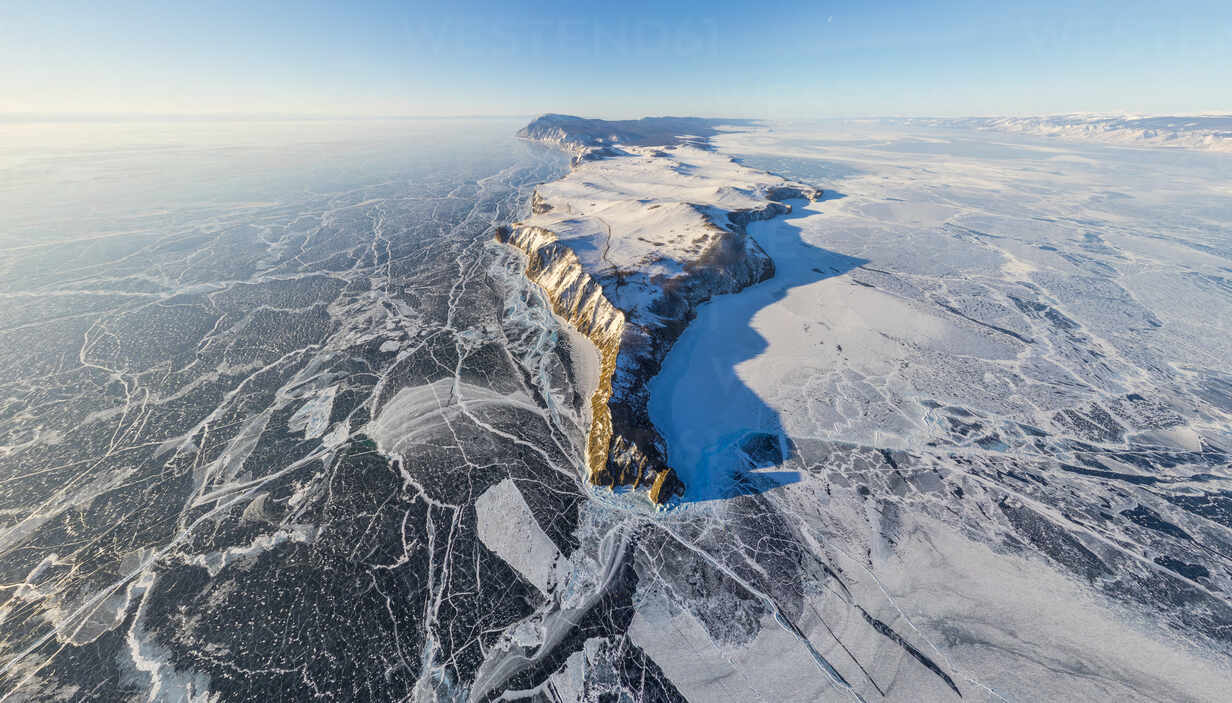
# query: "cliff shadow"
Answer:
x=722 y=438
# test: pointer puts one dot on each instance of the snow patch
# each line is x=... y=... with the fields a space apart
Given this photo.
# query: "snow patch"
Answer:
x=507 y=526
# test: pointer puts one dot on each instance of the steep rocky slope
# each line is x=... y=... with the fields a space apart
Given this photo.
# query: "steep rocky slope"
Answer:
x=626 y=247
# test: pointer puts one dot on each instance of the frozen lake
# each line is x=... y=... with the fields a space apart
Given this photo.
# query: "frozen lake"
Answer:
x=279 y=420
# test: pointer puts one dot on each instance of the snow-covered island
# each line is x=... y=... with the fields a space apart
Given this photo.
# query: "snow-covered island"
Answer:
x=649 y=224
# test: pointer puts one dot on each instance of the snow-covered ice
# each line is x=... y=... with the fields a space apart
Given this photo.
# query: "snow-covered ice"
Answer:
x=507 y=526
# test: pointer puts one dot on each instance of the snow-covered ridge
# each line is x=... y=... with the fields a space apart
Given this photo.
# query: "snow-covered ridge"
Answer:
x=1207 y=132
x=626 y=247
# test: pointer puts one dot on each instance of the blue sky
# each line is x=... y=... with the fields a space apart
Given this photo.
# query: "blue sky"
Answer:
x=616 y=59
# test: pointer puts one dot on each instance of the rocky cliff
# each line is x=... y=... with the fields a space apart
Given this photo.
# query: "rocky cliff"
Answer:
x=647 y=226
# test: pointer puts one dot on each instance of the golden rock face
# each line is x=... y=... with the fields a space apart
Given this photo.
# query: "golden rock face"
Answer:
x=600 y=433
x=657 y=493
x=579 y=299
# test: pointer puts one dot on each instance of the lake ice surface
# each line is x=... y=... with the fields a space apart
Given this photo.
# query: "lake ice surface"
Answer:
x=268 y=395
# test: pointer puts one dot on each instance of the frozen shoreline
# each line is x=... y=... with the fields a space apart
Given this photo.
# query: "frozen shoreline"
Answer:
x=584 y=358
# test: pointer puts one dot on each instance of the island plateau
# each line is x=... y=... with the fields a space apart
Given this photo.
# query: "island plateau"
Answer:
x=648 y=225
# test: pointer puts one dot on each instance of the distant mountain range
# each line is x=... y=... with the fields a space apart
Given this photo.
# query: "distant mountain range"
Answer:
x=1209 y=132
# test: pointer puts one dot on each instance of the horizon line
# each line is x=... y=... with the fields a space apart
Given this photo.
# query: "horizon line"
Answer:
x=27 y=117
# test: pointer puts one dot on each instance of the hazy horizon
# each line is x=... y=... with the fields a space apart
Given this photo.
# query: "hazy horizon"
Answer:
x=18 y=118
